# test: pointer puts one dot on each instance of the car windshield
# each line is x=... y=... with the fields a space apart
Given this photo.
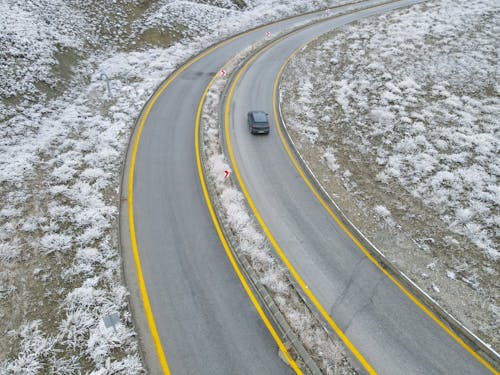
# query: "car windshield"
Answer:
x=260 y=117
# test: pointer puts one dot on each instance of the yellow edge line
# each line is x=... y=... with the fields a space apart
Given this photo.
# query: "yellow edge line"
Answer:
x=140 y=278
x=299 y=280
x=229 y=254
x=135 y=251
x=352 y=237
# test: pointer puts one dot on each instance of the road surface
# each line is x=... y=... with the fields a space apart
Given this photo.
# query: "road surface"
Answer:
x=205 y=322
x=391 y=332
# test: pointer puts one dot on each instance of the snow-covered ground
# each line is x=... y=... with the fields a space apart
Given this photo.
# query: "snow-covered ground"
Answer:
x=63 y=136
x=399 y=117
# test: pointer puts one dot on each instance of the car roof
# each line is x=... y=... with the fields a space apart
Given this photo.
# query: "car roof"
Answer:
x=259 y=116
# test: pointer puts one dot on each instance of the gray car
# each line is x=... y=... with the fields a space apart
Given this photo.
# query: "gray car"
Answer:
x=258 y=122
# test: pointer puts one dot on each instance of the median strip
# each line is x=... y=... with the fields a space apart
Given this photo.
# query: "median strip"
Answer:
x=299 y=328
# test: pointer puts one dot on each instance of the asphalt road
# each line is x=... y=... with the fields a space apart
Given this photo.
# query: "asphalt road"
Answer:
x=393 y=334
x=205 y=321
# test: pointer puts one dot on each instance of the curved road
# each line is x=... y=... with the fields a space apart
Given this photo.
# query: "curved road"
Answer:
x=391 y=332
x=205 y=322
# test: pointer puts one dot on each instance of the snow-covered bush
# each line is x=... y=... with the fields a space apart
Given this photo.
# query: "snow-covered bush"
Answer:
x=419 y=96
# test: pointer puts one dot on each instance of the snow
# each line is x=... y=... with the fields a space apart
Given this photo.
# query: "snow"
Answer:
x=444 y=157
x=31 y=34
x=8 y=252
x=35 y=347
x=330 y=160
x=62 y=140
x=174 y=13
x=382 y=211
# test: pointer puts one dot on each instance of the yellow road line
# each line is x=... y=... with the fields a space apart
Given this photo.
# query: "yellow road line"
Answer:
x=140 y=278
x=229 y=254
x=292 y=270
x=351 y=236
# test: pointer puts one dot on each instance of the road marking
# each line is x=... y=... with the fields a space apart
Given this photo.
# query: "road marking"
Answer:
x=140 y=278
x=223 y=240
x=351 y=236
x=358 y=244
x=135 y=251
x=299 y=280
